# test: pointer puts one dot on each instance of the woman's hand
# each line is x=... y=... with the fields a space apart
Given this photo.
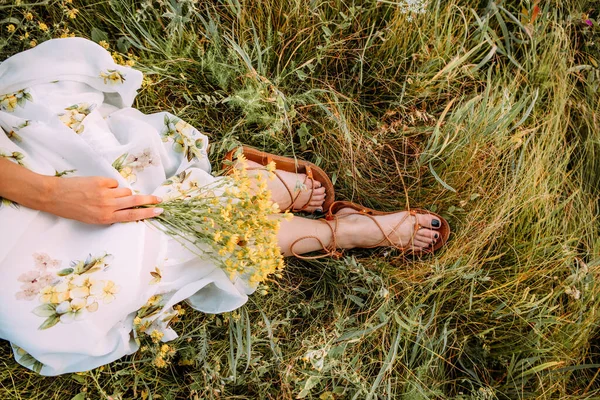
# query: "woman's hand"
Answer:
x=93 y=200
x=96 y=200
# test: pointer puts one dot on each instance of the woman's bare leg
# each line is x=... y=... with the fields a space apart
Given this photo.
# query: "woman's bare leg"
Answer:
x=302 y=235
x=296 y=183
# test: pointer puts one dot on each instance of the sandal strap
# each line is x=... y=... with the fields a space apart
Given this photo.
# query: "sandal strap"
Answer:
x=330 y=251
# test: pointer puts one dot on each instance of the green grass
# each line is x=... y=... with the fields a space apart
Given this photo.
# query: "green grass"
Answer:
x=471 y=110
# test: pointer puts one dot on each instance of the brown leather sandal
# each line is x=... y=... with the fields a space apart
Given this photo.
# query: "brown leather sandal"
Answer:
x=313 y=173
x=332 y=251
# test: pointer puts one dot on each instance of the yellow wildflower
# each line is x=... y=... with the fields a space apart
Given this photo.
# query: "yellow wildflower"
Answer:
x=164 y=348
x=11 y=28
x=180 y=310
x=218 y=236
x=156 y=336
x=33 y=43
x=271 y=166
x=137 y=321
x=104 y=44
x=28 y=16
x=160 y=362
x=72 y=13
x=43 y=27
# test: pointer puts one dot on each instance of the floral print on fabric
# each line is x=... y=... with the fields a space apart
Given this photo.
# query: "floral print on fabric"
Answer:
x=185 y=138
x=129 y=165
x=67 y=294
x=9 y=102
x=27 y=359
x=74 y=115
x=112 y=77
x=13 y=133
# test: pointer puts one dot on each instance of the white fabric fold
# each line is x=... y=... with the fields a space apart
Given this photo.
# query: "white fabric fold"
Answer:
x=65 y=110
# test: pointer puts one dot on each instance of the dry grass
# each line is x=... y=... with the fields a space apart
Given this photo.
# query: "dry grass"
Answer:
x=476 y=110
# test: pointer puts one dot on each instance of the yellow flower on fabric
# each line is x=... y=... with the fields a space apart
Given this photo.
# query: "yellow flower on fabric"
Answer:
x=154 y=300
x=70 y=311
x=55 y=294
x=128 y=174
x=112 y=77
x=80 y=292
x=105 y=291
x=11 y=28
x=8 y=102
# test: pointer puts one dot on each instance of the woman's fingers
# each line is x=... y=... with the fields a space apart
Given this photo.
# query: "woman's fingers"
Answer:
x=122 y=192
x=136 y=214
x=136 y=201
x=108 y=182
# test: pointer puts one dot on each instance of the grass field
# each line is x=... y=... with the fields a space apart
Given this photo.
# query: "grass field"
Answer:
x=484 y=111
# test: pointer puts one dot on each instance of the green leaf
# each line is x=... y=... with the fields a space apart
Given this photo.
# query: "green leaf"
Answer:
x=50 y=322
x=311 y=382
x=78 y=378
x=355 y=299
x=437 y=178
x=80 y=396
x=45 y=310
x=99 y=35
x=65 y=272
x=123 y=44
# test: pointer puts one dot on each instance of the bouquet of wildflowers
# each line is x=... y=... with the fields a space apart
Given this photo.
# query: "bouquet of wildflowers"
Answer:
x=230 y=221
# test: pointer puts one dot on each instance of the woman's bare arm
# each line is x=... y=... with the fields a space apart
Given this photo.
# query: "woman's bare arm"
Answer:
x=93 y=200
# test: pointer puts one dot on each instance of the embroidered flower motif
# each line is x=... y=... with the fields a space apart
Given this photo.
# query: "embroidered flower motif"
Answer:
x=67 y=294
x=185 y=138
x=74 y=116
x=105 y=291
x=129 y=165
x=27 y=359
x=9 y=102
x=43 y=261
x=112 y=77
x=13 y=133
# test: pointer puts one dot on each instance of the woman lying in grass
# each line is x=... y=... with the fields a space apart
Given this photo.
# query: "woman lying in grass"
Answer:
x=79 y=284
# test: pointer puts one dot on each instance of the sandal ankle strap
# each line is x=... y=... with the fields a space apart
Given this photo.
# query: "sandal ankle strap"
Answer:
x=330 y=251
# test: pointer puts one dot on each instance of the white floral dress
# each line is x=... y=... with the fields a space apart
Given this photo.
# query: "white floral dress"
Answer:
x=69 y=292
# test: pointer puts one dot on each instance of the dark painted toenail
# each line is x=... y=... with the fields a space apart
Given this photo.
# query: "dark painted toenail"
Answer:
x=436 y=236
x=435 y=223
x=319 y=210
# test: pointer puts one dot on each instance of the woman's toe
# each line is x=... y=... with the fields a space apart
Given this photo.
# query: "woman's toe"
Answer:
x=319 y=192
x=429 y=221
x=318 y=197
x=420 y=245
x=425 y=239
x=428 y=234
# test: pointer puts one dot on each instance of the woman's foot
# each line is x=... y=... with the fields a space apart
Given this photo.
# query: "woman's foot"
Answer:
x=299 y=187
x=396 y=229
